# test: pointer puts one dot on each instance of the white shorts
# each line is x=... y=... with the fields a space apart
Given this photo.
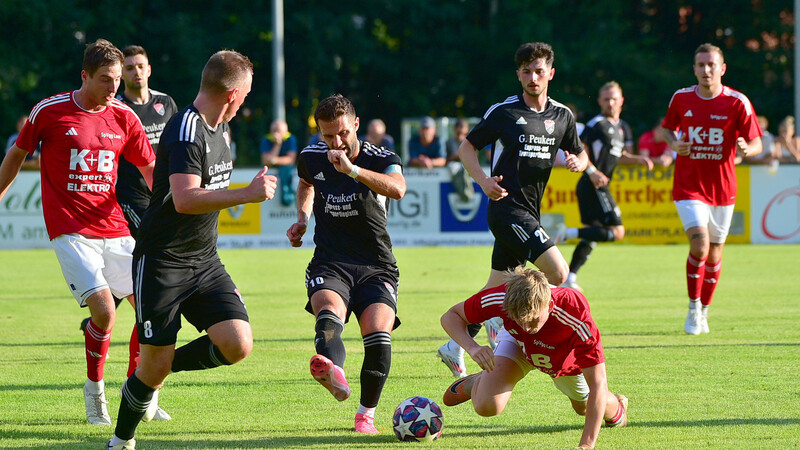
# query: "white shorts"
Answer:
x=574 y=387
x=717 y=219
x=91 y=265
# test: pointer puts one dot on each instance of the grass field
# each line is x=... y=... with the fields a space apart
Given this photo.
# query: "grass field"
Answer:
x=736 y=387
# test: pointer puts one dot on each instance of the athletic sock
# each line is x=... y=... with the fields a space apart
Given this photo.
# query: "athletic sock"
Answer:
x=617 y=417
x=200 y=354
x=581 y=254
x=97 y=342
x=474 y=328
x=695 y=271
x=596 y=234
x=375 y=368
x=572 y=277
x=328 y=340
x=710 y=280
x=572 y=233
x=366 y=411
x=136 y=397
x=133 y=351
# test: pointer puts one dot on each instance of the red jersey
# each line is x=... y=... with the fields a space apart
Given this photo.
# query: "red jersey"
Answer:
x=79 y=159
x=712 y=125
x=648 y=142
x=568 y=341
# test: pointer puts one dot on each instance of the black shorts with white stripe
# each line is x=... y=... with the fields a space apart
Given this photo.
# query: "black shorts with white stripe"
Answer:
x=597 y=205
x=517 y=238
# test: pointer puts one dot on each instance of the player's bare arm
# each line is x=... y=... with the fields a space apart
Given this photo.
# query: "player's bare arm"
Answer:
x=454 y=322
x=12 y=164
x=751 y=148
x=595 y=405
x=190 y=198
x=490 y=185
x=682 y=148
x=628 y=157
x=392 y=185
x=305 y=205
x=147 y=173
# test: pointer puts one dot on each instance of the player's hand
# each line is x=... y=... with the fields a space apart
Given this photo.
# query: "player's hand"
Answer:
x=263 y=186
x=683 y=148
x=599 y=179
x=741 y=146
x=295 y=233
x=491 y=187
x=340 y=161
x=483 y=355
x=573 y=163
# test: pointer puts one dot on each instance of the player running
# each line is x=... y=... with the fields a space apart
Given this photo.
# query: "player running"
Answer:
x=547 y=329
x=715 y=122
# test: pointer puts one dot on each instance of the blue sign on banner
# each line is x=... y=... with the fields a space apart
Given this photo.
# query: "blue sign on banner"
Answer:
x=458 y=215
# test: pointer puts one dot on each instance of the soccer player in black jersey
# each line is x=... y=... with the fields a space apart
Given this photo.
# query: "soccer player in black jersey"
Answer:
x=345 y=182
x=609 y=140
x=154 y=109
x=525 y=132
x=176 y=268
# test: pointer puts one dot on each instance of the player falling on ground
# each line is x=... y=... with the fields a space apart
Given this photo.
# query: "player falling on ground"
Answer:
x=83 y=133
x=715 y=122
x=547 y=329
x=346 y=183
x=154 y=109
x=177 y=270
x=609 y=140
x=525 y=132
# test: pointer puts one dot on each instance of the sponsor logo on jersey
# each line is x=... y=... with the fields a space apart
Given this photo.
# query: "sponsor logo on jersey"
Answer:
x=521 y=121
x=227 y=138
x=549 y=125
x=159 y=107
x=71 y=132
x=319 y=177
x=716 y=117
x=688 y=113
x=208 y=148
x=110 y=136
x=542 y=344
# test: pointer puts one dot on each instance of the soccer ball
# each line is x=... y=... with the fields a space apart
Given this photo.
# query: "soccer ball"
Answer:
x=418 y=419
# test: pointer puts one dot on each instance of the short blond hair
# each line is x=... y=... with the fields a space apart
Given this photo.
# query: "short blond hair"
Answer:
x=527 y=294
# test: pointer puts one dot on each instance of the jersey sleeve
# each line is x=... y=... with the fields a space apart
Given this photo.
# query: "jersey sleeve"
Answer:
x=485 y=305
x=571 y=142
x=302 y=169
x=28 y=138
x=138 y=150
x=749 y=128
x=627 y=134
x=486 y=131
x=588 y=349
x=186 y=157
x=672 y=119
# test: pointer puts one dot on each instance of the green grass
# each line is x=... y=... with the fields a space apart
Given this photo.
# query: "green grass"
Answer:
x=736 y=387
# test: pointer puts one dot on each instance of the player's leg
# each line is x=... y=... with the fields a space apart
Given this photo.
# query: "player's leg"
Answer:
x=695 y=216
x=81 y=261
x=718 y=228
x=576 y=389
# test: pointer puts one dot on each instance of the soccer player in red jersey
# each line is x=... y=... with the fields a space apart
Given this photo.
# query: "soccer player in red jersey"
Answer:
x=707 y=125
x=547 y=329
x=82 y=135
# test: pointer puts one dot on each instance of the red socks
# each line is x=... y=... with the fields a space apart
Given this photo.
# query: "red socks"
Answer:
x=133 y=352
x=710 y=282
x=97 y=342
x=695 y=270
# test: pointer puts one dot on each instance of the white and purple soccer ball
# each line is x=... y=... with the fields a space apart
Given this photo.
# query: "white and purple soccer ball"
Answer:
x=418 y=419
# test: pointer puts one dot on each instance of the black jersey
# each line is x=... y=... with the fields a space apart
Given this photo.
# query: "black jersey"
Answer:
x=188 y=145
x=131 y=187
x=606 y=141
x=350 y=217
x=524 y=147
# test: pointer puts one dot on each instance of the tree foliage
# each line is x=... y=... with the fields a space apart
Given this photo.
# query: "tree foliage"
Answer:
x=407 y=58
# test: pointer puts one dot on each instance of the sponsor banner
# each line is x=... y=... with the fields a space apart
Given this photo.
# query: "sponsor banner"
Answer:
x=21 y=220
x=775 y=199
x=645 y=199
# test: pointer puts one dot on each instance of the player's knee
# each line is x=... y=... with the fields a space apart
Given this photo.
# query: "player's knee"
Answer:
x=487 y=409
x=237 y=350
x=104 y=318
x=579 y=407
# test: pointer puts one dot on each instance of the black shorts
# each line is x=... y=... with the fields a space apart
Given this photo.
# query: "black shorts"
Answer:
x=359 y=285
x=164 y=290
x=133 y=212
x=517 y=238
x=597 y=205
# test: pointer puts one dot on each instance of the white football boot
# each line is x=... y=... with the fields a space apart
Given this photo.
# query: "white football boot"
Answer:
x=693 y=319
x=96 y=410
x=454 y=360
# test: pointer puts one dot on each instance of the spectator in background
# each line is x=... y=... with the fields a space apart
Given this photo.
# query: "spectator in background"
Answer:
x=652 y=145
x=279 y=148
x=425 y=149
x=376 y=134
x=767 y=155
x=787 y=145
x=31 y=160
x=462 y=182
